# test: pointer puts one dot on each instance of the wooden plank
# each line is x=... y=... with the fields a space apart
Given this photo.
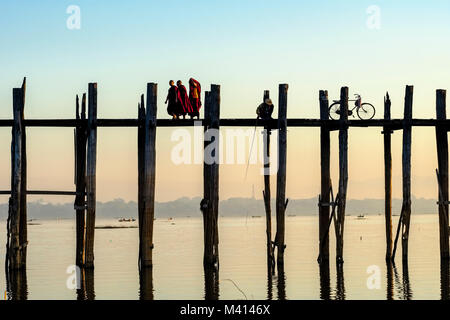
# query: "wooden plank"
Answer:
x=146 y=245
x=281 y=174
x=396 y=124
x=267 y=194
x=324 y=211
x=91 y=175
x=80 y=182
x=388 y=178
x=406 y=170
x=442 y=156
x=343 y=174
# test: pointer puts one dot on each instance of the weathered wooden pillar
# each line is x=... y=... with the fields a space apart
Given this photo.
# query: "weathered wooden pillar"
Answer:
x=406 y=170
x=80 y=180
x=281 y=202
x=204 y=204
x=324 y=203
x=387 y=131
x=210 y=202
x=14 y=226
x=91 y=175
x=442 y=156
x=23 y=229
x=148 y=194
x=343 y=174
x=266 y=193
x=141 y=161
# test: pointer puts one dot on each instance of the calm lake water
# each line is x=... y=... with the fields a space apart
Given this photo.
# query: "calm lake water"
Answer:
x=178 y=269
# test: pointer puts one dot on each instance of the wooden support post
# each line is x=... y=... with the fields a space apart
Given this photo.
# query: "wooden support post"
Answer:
x=343 y=174
x=210 y=202
x=325 y=185
x=148 y=211
x=406 y=170
x=80 y=181
x=387 y=131
x=23 y=230
x=442 y=155
x=267 y=193
x=16 y=229
x=141 y=159
x=281 y=202
x=91 y=175
x=205 y=203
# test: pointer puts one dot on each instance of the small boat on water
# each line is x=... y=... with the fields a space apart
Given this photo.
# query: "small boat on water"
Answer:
x=127 y=220
x=361 y=216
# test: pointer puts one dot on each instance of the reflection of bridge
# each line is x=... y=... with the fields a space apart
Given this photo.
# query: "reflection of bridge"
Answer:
x=86 y=124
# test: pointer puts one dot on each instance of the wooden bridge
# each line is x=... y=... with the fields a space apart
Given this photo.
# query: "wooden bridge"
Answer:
x=331 y=208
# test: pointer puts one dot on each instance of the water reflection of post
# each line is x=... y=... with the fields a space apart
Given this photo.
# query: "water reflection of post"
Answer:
x=390 y=280
x=269 y=285
x=281 y=283
x=445 y=279
x=340 y=288
x=86 y=291
x=146 y=283
x=324 y=280
x=16 y=284
x=407 y=293
x=211 y=283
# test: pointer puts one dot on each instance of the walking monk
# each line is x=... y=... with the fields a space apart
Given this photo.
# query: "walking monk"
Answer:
x=195 y=91
x=172 y=98
x=185 y=104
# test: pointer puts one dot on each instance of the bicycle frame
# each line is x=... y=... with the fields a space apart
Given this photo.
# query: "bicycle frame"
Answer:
x=358 y=102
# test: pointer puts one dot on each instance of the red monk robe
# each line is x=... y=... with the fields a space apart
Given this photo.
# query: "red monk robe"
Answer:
x=195 y=91
x=185 y=104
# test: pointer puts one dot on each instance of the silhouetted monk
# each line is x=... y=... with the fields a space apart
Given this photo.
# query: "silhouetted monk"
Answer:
x=172 y=98
x=185 y=104
x=195 y=91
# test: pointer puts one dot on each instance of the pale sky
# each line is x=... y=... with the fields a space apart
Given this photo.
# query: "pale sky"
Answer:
x=246 y=47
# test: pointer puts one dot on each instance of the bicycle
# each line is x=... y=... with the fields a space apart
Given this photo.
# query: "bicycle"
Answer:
x=365 y=111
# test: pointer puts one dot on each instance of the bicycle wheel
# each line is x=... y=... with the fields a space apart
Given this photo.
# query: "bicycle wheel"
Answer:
x=334 y=111
x=366 y=111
